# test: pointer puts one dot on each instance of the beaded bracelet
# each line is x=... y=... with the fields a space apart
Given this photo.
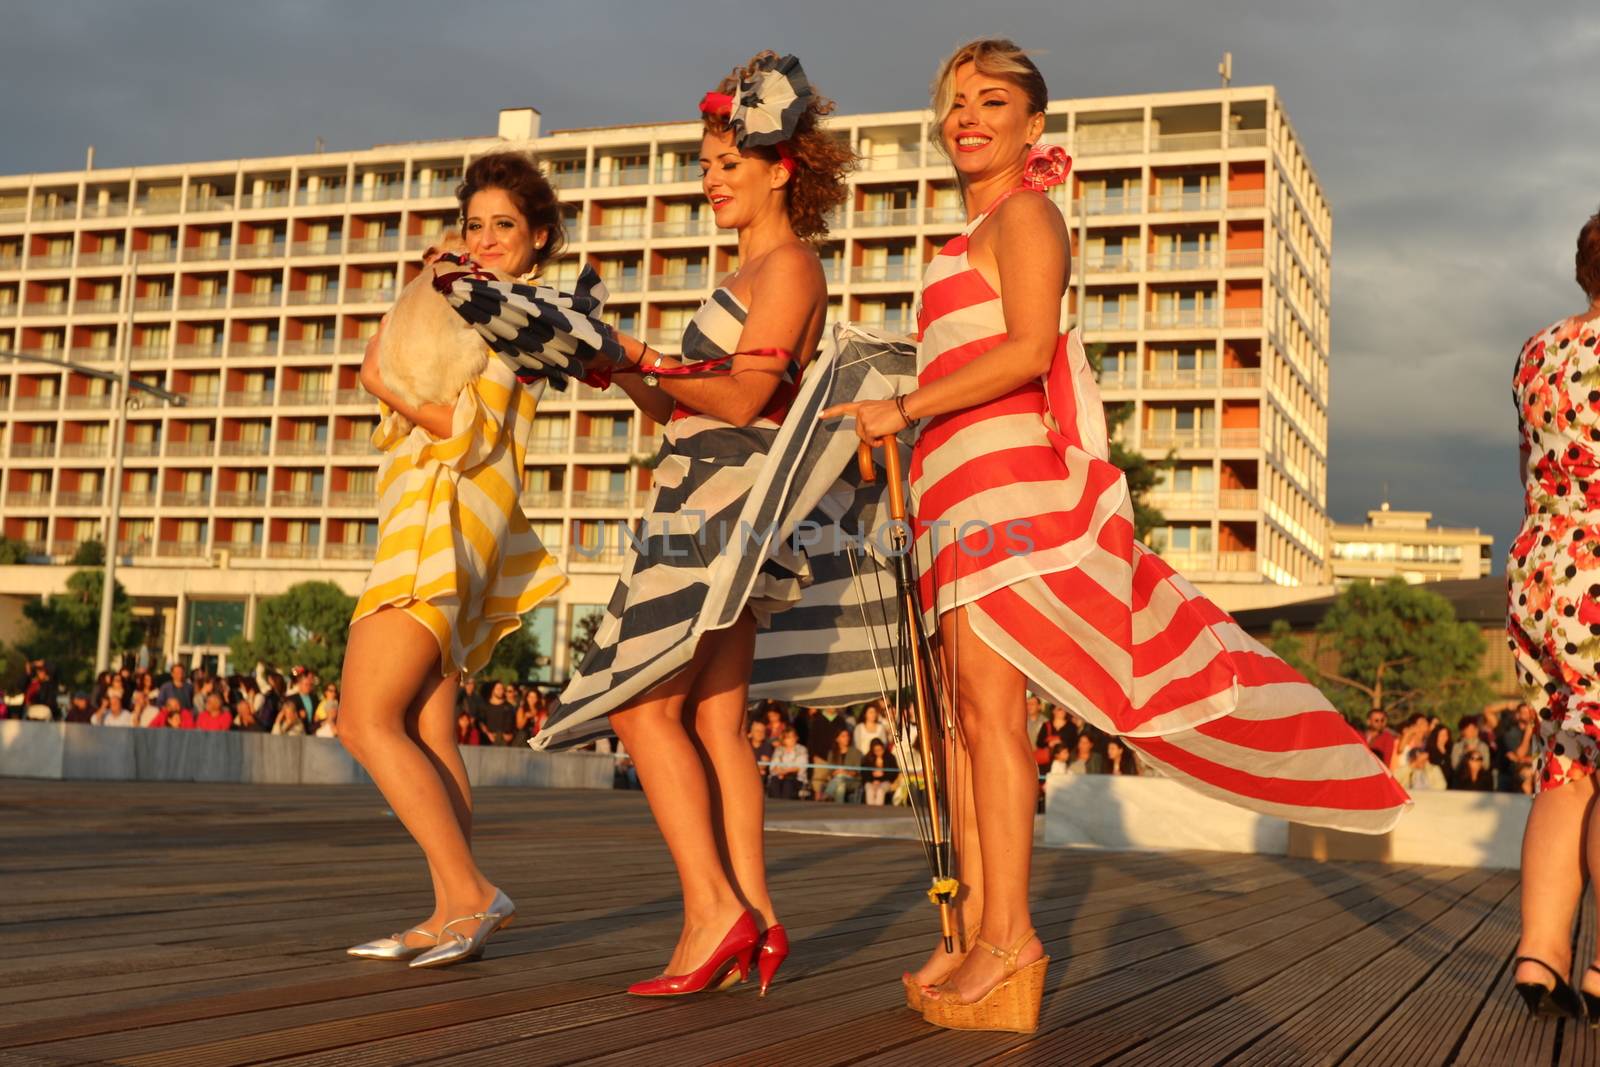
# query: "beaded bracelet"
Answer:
x=900 y=406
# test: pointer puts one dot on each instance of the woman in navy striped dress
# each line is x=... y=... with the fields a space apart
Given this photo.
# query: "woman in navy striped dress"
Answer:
x=678 y=702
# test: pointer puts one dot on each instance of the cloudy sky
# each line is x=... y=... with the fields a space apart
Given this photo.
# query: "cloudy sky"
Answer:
x=1458 y=141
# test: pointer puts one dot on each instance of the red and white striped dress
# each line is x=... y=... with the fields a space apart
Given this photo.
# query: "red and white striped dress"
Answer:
x=1021 y=518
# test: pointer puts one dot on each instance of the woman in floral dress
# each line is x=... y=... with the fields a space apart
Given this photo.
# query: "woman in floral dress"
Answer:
x=1554 y=585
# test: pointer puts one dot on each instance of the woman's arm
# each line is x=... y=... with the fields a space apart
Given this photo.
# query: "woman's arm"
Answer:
x=787 y=295
x=1031 y=253
x=437 y=419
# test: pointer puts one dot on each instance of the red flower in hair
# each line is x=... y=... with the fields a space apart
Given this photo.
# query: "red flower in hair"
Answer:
x=1047 y=165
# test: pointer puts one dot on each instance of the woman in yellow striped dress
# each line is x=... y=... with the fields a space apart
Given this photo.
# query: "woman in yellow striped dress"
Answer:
x=457 y=566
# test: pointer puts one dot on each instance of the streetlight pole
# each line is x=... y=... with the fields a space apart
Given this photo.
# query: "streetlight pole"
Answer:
x=119 y=434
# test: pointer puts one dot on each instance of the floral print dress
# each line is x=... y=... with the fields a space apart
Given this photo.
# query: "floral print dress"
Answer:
x=1553 y=573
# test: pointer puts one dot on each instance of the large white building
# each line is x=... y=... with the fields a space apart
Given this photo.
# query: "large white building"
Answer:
x=1203 y=262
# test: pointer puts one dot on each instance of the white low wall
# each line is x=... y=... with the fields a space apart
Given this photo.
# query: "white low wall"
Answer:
x=1456 y=829
x=73 y=751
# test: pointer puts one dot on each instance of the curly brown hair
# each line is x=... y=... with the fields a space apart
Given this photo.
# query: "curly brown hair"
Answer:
x=1588 y=258
x=822 y=160
x=524 y=181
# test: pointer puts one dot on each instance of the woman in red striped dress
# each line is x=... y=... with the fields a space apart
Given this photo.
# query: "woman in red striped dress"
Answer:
x=1031 y=575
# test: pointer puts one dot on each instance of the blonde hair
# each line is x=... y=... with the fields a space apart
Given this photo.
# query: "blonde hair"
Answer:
x=998 y=57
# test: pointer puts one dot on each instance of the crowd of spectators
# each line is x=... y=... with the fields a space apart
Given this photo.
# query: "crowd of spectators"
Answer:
x=1489 y=752
x=183 y=699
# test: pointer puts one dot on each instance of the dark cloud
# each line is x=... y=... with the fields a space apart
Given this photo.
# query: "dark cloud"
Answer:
x=1455 y=140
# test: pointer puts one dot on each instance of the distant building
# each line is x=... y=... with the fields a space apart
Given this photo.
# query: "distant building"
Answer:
x=1402 y=544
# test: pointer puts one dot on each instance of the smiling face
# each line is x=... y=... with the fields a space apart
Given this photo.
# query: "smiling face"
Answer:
x=739 y=186
x=989 y=126
x=498 y=235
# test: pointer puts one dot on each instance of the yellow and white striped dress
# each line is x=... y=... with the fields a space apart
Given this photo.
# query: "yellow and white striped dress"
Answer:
x=455 y=551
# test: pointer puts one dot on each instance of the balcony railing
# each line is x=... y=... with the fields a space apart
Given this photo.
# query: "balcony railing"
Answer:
x=1183 y=260
x=1169 y=500
x=180 y=549
x=547 y=445
x=1158 y=437
x=878 y=217
x=682 y=172
x=102 y=257
x=321 y=346
x=389 y=190
x=332 y=246
x=111 y=209
x=233 y=498
x=44 y=307
x=192 y=448
x=1244 y=257
x=303 y=396
x=162 y=302
x=543 y=498
x=1206 y=141
x=1244 y=199
x=359 y=550
x=296 y=498
x=138 y=498
x=185 y=499
x=248 y=447
x=360 y=245
x=252 y=348
x=32 y=449
x=617 y=231
x=51 y=212
x=79 y=498
x=884 y=272
x=599 y=498
x=291 y=550
x=43 y=260
x=167 y=204
x=168 y=254
x=270 y=298
x=1241 y=318
x=1241 y=377
x=906 y=157
x=1125 y=321
x=679 y=281
x=36 y=402
x=207 y=253
x=435 y=188
x=298 y=297
x=370 y=295
x=289 y=446
x=28 y=499
x=95 y=353
x=1114 y=377
x=96 y=305
x=1112 y=263
x=1247 y=138
x=87 y=401
x=1128 y=203
x=1246 y=437
x=360 y=445
x=139 y=547
x=325 y=195
x=14 y=211
x=352 y=498
x=272 y=198
x=1173 y=378
x=1180 y=318
x=1090 y=145
x=1186 y=201
x=142 y=448
x=239 y=549
x=1237 y=499
x=1236 y=562
x=592 y=443
x=193 y=301
x=207 y=201
x=210 y=350
x=614 y=176
x=606 y=555
x=85 y=449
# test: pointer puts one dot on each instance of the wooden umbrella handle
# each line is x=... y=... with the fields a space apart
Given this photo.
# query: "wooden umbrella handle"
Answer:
x=864 y=463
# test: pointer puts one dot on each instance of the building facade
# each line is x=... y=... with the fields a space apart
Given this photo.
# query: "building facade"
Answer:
x=249 y=287
x=1402 y=544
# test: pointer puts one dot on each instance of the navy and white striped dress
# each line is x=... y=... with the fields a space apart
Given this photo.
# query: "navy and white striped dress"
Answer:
x=690 y=545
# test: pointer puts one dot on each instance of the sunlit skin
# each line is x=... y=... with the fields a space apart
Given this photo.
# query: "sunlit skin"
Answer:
x=1022 y=251
x=497 y=234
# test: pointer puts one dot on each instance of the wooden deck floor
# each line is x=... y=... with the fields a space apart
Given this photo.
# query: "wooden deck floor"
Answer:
x=182 y=925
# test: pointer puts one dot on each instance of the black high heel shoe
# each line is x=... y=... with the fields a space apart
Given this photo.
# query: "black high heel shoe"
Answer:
x=1591 y=1001
x=1550 y=1000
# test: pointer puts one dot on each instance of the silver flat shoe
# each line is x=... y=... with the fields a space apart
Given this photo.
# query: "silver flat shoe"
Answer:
x=455 y=945
x=393 y=947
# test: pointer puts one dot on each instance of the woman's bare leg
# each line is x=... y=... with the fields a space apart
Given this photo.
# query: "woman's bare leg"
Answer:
x=430 y=723
x=389 y=660
x=674 y=781
x=1005 y=790
x=716 y=708
x=1553 y=868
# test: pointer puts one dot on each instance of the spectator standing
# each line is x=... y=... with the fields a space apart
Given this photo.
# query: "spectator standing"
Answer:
x=878 y=772
x=467 y=732
x=761 y=745
x=821 y=726
x=327 y=707
x=528 y=714
x=1119 y=760
x=1037 y=715
x=1473 y=774
x=789 y=762
x=1470 y=741
x=1439 y=753
x=145 y=711
x=1419 y=773
x=1060 y=761
x=1516 y=748
x=1379 y=737
x=1057 y=729
x=498 y=717
x=245 y=717
x=42 y=696
x=177 y=686
x=304 y=697
x=112 y=713
x=1086 y=758
x=291 y=720
x=78 y=709
x=176 y=716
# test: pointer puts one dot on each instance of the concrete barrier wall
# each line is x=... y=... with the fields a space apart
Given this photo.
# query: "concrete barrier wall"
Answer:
x=1455 y=829
x=75 y=752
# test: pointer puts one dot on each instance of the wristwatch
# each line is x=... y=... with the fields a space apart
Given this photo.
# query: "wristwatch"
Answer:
x=648 y=374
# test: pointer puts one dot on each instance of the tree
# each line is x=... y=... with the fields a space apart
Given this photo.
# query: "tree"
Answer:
x=306 y=626
x=584 y=627
x=12 y=665
x=90 y=554
x=1392 y=646
x=1142 y=472
x=515 y=658
x=12 y=551
x=66 y=626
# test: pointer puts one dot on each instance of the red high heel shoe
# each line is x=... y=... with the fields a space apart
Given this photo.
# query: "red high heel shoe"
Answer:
x=737 y=951
x=774 y=950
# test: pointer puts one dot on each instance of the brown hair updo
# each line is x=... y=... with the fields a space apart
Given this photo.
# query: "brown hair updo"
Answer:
x=821 y=160
x=997 y=57
x=529 y=189
x=1588 y=258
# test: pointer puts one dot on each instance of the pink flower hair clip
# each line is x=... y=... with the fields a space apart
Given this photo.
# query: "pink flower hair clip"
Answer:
x=1047 y=165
